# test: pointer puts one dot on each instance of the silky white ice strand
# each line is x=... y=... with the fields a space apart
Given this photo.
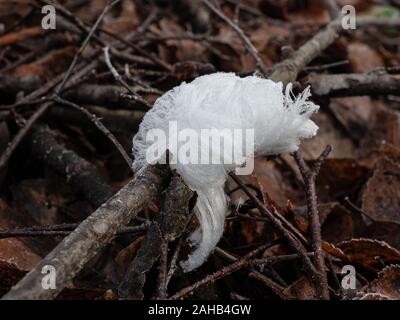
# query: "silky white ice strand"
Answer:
x=225 y=101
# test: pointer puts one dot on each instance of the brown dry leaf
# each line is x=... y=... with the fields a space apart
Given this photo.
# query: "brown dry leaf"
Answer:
x=370 y=254
x=14 y=251
x=21 y=35
x=311 y=10
x=370 y=58
x=295 y=11
x=275 y=250
x=125 y=21
x=301 y=214
x=338 y=226
x=233 y=55
x=19 y=7
x=328 y=133
x=178 y=50
x=91 y=11
x=272 y=180
x=354 y=114
x=37 y=199
x=264 y=39
x=336 y=221
x=334 y=251
x=125 y=256
x=10 y=274
x=385 y=127
x=381 y=196
x=386 y=285
x=191 y=69
x=385 y=231
x=338 y=178
x=372 y=296
x=15 y=257
x=385 y=150
x=268 y=39
x=53 y=63
x=301 y=289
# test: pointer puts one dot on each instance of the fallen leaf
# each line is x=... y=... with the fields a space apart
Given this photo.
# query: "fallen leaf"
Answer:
x=339 y=178
x=387 y=285
x=301 y=289
x=385 y=231
x=370 y=58
x=381 y=196
x=370 y=254
x=354 y=114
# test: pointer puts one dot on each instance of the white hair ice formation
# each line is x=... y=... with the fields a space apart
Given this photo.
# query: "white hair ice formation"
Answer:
x=225 y=101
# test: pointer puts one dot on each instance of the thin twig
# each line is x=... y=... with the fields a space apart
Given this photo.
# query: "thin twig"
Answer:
x=294 y=242
x=59 y=230
x=239 y=264
x=276 y=288
x=39 y=112
x=118 y=78
x=97 y=122
x=246 y=41
x=109 y=5
x=162 y=275
x=309 y=177
x=174 y=259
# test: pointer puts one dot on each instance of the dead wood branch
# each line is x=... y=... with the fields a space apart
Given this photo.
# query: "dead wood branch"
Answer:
x=309 y=177
x=103 y=95
x=288 y=70
x=332 y=8
x=78 y=172
x=72 y=254
x=344 y=85
x=95 y=94
x=10 y=86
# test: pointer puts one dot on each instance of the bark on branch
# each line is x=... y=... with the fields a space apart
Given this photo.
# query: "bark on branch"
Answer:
x=344 y=85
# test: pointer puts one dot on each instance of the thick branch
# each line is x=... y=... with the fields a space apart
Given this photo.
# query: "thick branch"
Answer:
x=288 y=70
x=71 y=255
x=343 y=85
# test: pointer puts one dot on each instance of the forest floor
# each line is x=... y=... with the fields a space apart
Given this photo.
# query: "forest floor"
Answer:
x=323 y=223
